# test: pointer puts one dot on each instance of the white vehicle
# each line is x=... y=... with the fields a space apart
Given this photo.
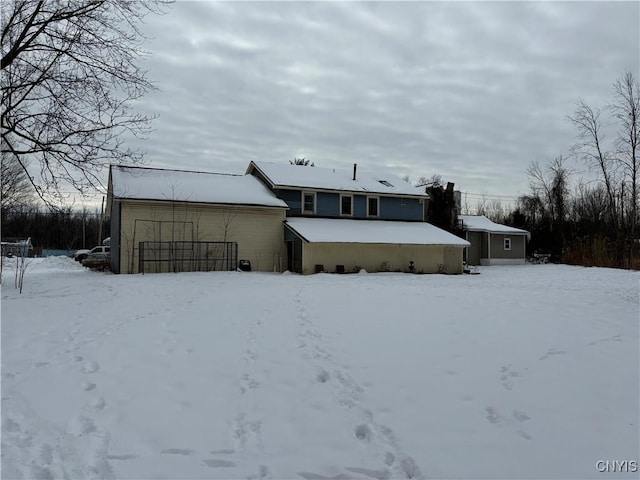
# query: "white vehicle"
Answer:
x=97 y=253
x=81 y=254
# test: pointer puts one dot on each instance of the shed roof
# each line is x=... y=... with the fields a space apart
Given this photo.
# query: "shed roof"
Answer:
x=329 y=230
x=188 y=186
x=296 y=176
x=480 y=223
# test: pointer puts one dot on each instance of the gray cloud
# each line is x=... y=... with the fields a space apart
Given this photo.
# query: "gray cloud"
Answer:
x=472 y=91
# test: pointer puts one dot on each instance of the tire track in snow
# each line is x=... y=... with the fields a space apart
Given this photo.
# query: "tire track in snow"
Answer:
x=376 y=436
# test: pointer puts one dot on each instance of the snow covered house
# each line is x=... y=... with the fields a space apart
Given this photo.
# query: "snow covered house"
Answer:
x=492 y=243
x=342 y=220
x=278 y=217
x=171 y=220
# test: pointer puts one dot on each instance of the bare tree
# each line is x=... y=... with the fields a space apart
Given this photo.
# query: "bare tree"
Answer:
x=626 y=109
x=15 y=186
x=302 y=162
x=70 y=73
x=551 y=187
x=590 y=149
x=434 y=180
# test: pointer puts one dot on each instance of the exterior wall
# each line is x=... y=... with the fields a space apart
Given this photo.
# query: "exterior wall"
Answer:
x=293 y=199
x=427 y=258
x=115 y=237
x=502 y=261
x=258 y=231
x=294 y=251
x=397 y=208
x=360 y=206
x=517 y=246
x=328 y=205
x=478 y=252
x=484 y=245
x=452 y=259
x=474 y=251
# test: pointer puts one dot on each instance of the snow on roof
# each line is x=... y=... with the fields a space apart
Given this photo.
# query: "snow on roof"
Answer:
x=328 y=230
x=287 y=175
x=202 y=187
x=480 y=223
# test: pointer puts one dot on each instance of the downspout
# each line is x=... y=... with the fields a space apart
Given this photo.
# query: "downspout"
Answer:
x=489 y=248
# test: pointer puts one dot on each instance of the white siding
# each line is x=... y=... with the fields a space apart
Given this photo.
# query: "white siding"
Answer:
x=376 y=257
x=258 y=231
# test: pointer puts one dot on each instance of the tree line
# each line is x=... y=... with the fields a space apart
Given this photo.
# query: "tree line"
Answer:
x=63 y=229
x=592 y=222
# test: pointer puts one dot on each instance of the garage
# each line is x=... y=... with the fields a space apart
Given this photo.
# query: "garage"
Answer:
x=340 y=245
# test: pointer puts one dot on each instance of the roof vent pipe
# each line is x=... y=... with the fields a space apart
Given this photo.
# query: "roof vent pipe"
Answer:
x=355 y=165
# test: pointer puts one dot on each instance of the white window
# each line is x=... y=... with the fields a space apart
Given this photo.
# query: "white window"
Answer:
x=309 y=203
x=507 y=244
x=346 y=205
x=373 y=206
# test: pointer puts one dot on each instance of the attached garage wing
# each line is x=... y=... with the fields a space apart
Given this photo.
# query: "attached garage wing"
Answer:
x=347 y=245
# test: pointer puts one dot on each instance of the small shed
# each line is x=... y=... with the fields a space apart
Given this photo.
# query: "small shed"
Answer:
x=493 y=243
x=17 y=247
x=339 y=245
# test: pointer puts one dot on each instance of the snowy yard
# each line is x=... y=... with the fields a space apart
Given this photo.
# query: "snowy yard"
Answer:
x=520 y=372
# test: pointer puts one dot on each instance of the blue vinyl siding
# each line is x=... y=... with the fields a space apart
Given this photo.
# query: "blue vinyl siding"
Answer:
x=293 y=199
x=395 y=208
x=359 y=206
x=289 y=236
x=328 y=204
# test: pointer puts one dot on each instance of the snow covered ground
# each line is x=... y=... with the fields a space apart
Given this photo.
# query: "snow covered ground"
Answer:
x=520 y=372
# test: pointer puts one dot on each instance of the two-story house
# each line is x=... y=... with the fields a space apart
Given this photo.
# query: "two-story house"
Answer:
x=343 y=220
x=276 y=217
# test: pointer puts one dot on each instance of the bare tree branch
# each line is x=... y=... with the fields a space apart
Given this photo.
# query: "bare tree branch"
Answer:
x=70 y=75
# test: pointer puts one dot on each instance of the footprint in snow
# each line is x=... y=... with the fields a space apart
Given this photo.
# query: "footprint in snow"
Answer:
x=80 y=425
x=96 y=404
x=178 y=451
x=323 y=376
x=88 y=386
x=91 y=367
x=363 y=433
x=552 y=351
x=377 y=474
x=216 y=463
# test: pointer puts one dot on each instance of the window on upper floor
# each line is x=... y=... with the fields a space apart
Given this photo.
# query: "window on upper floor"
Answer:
x=309 y=203
x=507 y=244
x=346 y=205
x=373 y=206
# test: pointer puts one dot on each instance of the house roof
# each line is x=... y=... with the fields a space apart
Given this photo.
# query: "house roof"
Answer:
x=285 y=175
x=480 y=223
x=187 y=186
x=329 y=230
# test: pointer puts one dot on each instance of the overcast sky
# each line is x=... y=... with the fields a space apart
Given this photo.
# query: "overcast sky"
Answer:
x=471 y=91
